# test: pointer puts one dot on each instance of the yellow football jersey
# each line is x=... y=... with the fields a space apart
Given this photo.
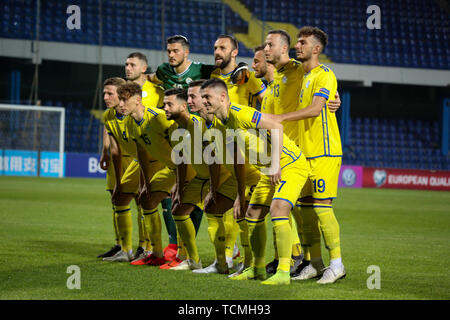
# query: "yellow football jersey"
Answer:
x=192 y=139
x=267 y=103
x=242 y=94
x=152 y=95
x=120 y=127
x=287 y=84
x=319 y=136
x=257 y=142
x=152 y=132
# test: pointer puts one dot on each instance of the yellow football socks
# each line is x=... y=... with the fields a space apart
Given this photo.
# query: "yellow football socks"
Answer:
x=153 y=225
x=231 y=232
x=216 y=231
x=116 y=229
x=125 y=226
x=311 y=232
x=330 y=229
x=295 y=227
x=245 y=242
x=141 y=227
x=258 y=238
x=186 y=230
x=283 y=235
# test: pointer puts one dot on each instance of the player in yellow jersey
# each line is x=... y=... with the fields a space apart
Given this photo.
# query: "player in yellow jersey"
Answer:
x=135 y=70
x=220 y=198
x=188 y=196
x=278 y=189
x=152 y=96
x=241 y=91
x=111 y=100
x=123 y=176
x=225 y=53
x=151 y=134
x=265 y=70
x=320 y=140
x=287 y=85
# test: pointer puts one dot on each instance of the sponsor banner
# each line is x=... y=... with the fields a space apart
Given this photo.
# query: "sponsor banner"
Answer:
x=24 y=163
x=406 y=179
x=84 y=165
x=351 y=177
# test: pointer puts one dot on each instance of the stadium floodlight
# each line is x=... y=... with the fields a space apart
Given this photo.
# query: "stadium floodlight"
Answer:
x=31 y=135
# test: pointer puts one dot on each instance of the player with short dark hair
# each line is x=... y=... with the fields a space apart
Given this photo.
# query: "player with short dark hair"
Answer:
x=221 y=196
x=277 y=190
x=179 y=71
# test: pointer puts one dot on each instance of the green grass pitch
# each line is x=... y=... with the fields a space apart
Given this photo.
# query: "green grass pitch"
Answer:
x=47 y=225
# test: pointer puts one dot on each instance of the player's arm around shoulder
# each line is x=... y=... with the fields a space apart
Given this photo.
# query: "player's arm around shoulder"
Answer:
x=276 y=129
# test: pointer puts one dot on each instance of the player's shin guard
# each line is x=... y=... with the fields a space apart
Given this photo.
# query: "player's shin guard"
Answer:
x=330 y=229
x=296 y=243
x=196 y=217
x=283 y=235
x=182 y=253
x=116 y=228
x=187 y=233
x=166 y=205
x=125 y=226
x=153 y=224
x=216 y=231
x=296 y=227
x=231 y=232
x=245 y=242
x=141 y=227
x=311 y=232
x=258 y=239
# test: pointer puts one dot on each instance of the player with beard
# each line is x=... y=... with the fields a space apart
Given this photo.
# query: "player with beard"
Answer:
x=225 y=53
x=151 y=134
x=264 y=71
x=178 y=73
x=243 y=92
x=180 y=70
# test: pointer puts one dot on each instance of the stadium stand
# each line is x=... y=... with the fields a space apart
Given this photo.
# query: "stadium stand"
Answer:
x=418 y=34
x=409 y=144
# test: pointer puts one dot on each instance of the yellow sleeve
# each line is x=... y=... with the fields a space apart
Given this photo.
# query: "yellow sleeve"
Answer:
x=326 y=84
x=255 y=85
x=247 y=118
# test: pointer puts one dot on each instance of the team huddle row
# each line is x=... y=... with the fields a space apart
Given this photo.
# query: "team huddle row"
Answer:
x=183 y=138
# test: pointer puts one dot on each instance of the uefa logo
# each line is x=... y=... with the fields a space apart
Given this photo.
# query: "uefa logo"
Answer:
x=379 y=177
x=348 y=177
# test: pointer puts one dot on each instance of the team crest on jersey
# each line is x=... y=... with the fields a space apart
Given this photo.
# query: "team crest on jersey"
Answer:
x=144 y=94
x=284 y=80
x=307 y=84
x=188 y=80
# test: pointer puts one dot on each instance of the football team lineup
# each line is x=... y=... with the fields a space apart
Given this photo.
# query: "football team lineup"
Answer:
x=282 y=158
